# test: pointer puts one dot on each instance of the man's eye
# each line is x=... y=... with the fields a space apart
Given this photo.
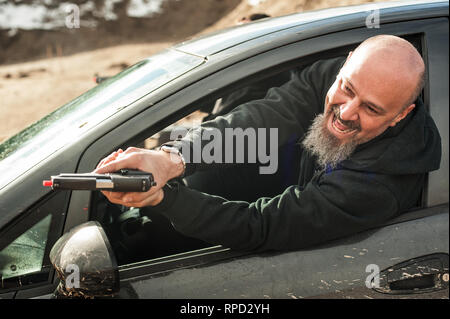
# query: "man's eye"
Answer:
x=346 y=89
x=371 y=109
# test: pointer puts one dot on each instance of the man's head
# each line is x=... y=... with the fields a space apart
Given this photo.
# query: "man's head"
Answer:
x=374 y=90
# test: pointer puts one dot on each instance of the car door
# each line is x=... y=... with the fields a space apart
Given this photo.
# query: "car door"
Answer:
x=340 y=268
x=325 y=270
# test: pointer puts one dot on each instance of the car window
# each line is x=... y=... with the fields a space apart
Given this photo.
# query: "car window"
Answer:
x=138 y=235
x=25 y=254
x=25 y=245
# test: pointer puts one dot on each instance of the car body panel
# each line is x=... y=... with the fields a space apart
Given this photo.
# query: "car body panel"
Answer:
x=331 y=268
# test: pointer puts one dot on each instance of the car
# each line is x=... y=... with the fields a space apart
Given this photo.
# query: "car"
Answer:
x=406 y=257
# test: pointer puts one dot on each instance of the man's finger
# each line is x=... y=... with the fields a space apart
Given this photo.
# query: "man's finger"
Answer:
x=132 y=150
x=114 y=197
x=141 y=201
x=117 y=164
x=105 y=161
x=134 y=197
x=117 y=201
x=117 y=195
x=109 y=158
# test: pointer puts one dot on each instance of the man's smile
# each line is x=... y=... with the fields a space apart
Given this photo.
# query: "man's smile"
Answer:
x=339 y=127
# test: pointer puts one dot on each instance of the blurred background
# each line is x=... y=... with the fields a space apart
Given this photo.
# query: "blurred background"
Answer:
x=52 y=51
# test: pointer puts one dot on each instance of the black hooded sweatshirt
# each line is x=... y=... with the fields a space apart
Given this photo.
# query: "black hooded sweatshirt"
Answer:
x=381 y=179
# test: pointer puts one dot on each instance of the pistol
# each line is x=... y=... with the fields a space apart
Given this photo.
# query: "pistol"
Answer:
x=124 y=180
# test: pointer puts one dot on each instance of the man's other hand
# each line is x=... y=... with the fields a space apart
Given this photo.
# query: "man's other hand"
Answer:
x=162 y=165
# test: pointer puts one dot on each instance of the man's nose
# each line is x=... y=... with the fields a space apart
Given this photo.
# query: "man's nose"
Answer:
x=349 y=110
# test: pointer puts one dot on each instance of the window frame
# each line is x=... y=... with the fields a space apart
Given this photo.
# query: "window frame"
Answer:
x=436 y=43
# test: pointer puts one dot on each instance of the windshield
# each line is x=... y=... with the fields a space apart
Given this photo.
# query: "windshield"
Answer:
x=67 y=124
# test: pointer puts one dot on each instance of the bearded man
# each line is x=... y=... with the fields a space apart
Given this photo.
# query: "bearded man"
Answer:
x=355 y=144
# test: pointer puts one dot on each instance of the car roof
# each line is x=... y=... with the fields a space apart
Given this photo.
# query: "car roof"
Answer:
x=224 y=39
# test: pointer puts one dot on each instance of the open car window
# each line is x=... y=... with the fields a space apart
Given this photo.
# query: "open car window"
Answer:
x=138 y=235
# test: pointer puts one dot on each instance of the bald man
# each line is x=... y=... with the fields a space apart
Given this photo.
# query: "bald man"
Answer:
x=354 y=145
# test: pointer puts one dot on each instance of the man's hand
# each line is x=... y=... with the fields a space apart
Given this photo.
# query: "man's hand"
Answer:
x=162 y=165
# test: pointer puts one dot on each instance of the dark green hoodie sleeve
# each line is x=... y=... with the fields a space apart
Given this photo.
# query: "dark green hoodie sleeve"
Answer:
x=332 y=205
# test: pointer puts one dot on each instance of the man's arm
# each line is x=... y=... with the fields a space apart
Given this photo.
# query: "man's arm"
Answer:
x=289 y=108
x=332 y=205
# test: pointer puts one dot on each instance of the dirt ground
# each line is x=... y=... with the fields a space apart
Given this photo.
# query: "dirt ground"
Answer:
x=30 y=90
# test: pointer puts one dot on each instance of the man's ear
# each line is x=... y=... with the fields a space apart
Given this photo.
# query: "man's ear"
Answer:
x=402 y=114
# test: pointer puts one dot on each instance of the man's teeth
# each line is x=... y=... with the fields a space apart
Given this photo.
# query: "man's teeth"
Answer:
x=338 y=129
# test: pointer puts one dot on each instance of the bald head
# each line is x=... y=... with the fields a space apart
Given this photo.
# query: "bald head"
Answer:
x=397 y=59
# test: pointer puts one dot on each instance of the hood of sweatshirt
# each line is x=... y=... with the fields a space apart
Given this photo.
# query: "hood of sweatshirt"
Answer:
x=413 y=146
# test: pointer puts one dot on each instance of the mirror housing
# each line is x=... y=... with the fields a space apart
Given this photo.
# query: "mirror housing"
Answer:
x=85 y=263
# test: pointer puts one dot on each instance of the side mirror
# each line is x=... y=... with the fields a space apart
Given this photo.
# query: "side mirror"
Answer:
x=85 y=263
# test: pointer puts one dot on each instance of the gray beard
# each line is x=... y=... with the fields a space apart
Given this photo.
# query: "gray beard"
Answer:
x=328 y=149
